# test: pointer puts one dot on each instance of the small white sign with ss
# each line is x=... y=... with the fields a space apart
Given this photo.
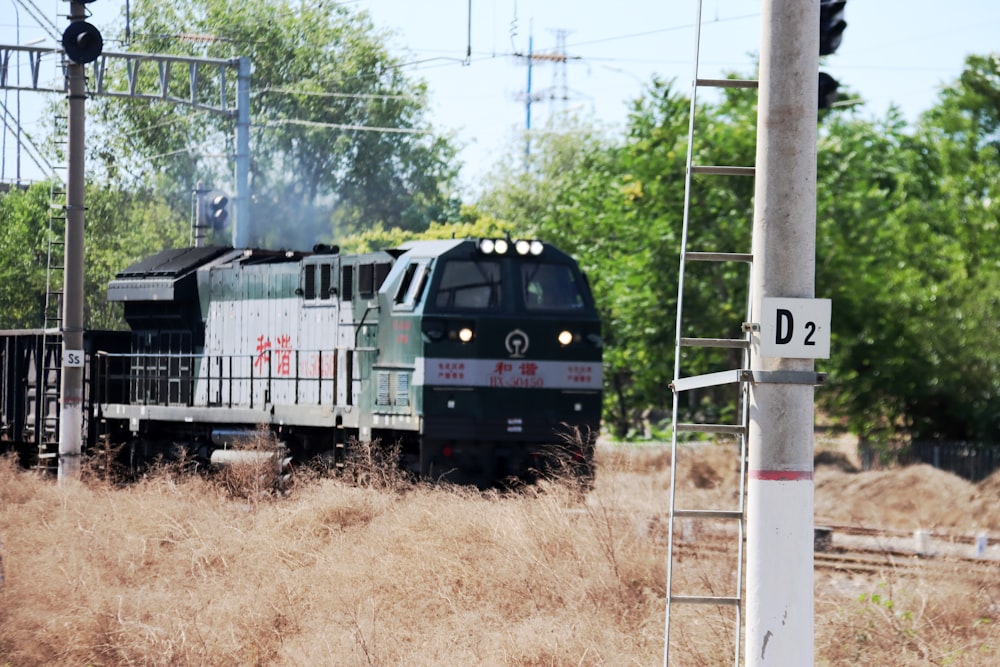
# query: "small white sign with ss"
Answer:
x=795 y=328
x=73 y=358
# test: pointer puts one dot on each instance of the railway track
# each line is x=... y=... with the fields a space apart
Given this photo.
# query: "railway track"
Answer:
x=871 y=561
x=862 y=550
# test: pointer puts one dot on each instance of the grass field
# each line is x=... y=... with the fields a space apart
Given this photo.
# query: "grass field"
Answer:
x=187 y=570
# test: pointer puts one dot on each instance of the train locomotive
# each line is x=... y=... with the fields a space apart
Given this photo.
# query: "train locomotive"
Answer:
x=479 y=360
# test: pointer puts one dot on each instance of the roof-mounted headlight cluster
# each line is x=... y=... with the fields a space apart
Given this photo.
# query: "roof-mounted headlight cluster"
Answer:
x=503 y=246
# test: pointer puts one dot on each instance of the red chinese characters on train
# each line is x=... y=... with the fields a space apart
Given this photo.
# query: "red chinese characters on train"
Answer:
x=522 y=374
x=275 y=359
x=263 y=357
x=579 y=374
x=284 y=351
x=451 y=370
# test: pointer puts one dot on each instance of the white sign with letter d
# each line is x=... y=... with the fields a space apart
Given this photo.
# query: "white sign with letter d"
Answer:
x=795 y=328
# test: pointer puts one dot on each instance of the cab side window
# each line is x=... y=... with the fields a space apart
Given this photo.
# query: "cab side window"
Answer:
x=309 y=281
x=366 y=281
x=317 y=282
x=347 y=282
x=412 y=284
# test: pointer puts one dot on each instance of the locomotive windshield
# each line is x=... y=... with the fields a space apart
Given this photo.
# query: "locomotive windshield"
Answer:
x=550 y=287
x=467 y=284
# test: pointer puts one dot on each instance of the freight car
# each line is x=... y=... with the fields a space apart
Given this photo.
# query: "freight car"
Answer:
x=480 y=360
x=30 y=363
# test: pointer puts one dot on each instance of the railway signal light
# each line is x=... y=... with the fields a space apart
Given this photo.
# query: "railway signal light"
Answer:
x=831 y=34
x=217 y=212
x=81 y=41
x=831 y=25
x=827 y=90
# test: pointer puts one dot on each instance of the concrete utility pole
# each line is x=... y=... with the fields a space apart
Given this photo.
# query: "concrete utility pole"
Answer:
x=780 y=489
x=71 y=391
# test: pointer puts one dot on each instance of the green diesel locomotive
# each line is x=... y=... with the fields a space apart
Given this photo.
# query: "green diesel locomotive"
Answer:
x=478 y=360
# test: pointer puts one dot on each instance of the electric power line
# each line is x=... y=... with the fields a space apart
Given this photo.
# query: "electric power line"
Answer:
x=340 y=126
x=362 y=96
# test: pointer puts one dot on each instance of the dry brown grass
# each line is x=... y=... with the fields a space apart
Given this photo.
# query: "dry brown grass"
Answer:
x=178 y=570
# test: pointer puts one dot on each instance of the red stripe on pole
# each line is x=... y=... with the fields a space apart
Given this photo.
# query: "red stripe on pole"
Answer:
x=782 y=475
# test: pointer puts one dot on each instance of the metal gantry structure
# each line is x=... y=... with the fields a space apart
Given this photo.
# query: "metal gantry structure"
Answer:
x=201 y=83
x=215 y=85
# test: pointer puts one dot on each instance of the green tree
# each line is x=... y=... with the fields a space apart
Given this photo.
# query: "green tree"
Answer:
x=962 y=401
x=471 y=224
x=320 y=72
x=617 y=206
x=575 y=197
x=122 y=228
x=23 y=256
x=908 y=252
x=907 y=249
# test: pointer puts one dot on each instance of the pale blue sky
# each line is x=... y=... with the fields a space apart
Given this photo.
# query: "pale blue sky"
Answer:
x=894 y=51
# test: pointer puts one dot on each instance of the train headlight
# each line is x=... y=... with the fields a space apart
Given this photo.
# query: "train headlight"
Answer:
x=465 y=334
x=522 y=247
x=565 y=338
x=487 y=246
x=501 y=246
x=535 y=248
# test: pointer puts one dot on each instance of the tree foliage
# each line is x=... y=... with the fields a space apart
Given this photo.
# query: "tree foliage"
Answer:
x=907 y=249
x=907 y=215
x=121 y=227
x=471 y=224
x=24 y=256
x=910 y=250
x=617 y=206
x=340 y=141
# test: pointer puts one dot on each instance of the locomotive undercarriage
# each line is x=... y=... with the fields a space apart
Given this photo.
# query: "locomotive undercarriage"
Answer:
x=474 y=462
x=489 y=463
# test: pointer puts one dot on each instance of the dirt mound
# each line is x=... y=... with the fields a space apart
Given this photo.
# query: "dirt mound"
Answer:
x=918 y=496
x=990 y=487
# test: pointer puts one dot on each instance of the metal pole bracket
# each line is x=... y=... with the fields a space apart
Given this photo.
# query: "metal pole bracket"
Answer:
x=785 y=377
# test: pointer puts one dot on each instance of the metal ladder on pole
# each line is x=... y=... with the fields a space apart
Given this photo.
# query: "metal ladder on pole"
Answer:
x=55 y=256
x=705 y=587
x=50 y=378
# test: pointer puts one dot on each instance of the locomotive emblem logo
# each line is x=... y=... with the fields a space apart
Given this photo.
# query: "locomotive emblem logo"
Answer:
x=517 y=343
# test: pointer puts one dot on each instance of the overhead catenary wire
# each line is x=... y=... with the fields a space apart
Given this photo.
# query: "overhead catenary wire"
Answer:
x=340 y=126
x=28 y=143
x=41 y=18
x=658 y=31
x=601 y=40
x=167 y=123
x=360 y=96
